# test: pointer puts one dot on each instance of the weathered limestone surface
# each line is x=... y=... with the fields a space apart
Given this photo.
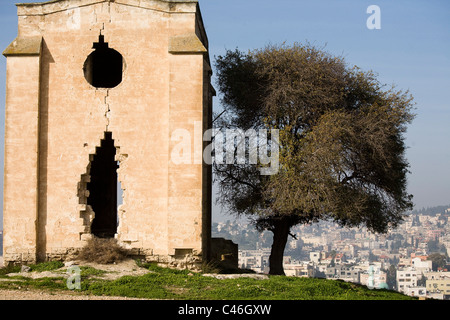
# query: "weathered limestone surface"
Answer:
x=55 y=120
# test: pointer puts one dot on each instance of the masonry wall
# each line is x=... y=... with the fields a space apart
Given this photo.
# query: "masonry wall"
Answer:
x=21 y=158
x=55 y=120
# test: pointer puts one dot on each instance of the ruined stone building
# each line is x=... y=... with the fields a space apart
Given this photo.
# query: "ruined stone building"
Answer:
x=95 y=90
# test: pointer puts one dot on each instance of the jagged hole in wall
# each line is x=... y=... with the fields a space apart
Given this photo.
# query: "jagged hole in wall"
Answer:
x=103 y=68
x=103 y=189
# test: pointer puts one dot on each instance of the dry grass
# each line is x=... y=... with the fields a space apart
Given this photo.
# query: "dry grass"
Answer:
x=102 y=251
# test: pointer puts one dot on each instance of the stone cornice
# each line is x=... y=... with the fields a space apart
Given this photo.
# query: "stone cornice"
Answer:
x=186 y=44
x=43 y=8
x=24 y=47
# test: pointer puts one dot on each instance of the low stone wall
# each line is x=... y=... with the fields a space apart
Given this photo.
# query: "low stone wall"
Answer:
x=190 y=260
x=225 y=252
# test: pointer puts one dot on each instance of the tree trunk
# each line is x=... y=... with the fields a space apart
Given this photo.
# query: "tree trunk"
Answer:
x=280 y=231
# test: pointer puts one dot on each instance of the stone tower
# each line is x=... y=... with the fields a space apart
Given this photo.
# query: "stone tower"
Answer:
x=95 y=91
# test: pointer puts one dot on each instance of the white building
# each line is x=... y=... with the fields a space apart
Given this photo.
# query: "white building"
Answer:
x=256 y=260
x=299 y=270
x=416 y=292
x=314 y=256
x=437 y=275
x=406 y=279
x=315 y=240
x=421 y=265
x=439 y=287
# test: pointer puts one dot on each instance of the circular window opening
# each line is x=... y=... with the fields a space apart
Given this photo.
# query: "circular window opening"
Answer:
x=103 y=68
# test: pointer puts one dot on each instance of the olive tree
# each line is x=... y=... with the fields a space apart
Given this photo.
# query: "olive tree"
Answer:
x=341 y=142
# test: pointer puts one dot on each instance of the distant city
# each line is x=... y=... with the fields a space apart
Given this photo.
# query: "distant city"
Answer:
x=412 y=259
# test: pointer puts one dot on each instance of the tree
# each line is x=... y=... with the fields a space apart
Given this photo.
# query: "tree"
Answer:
x=391 y=277
x=341 y=142
x=435 y=246
x=372 y=257
x=422 y=281
x=438 y=260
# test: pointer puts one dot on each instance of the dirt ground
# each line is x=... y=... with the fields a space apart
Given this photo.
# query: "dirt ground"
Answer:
x=46 y=295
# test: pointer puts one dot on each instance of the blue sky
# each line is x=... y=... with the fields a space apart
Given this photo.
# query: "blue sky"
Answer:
x=411 y=50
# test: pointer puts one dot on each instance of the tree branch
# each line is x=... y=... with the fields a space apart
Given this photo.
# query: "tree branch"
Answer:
x=293 y=235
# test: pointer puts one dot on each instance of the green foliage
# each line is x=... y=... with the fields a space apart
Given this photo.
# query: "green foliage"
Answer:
x=341 y=138
x=171 y=284
x=90 y=271
x=46 y=266
x=22 y=281
x=164 y=283
x=48 y=283
x=9 y=269
x=435 y=247
x=211 y=267
x=438 y=260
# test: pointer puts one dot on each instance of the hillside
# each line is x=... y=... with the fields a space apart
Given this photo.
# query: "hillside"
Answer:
x=432 y=211
x=153 y=282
